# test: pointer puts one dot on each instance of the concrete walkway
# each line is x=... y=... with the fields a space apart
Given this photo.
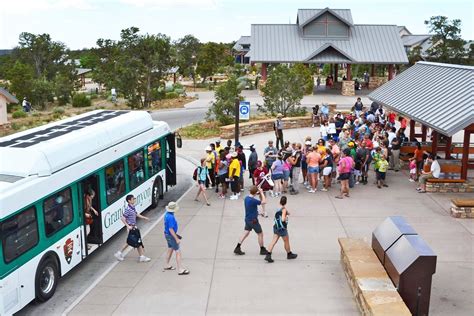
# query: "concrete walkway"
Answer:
x=221 y=283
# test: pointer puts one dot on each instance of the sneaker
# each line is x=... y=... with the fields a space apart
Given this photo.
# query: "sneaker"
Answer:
x=311 y=191
x=263 y=251
x=291 y=255
x=385 y=185
x=411 y=180
x=305 y=183
x=234 y=197
x=238 y=251
x=268 y=257
x=119 y=256
x=357 y=182
x=144 y=259
x=221 y=196
x=324 y=190
x=418 y=189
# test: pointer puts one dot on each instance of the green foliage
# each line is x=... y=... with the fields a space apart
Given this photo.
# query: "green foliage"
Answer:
x=283 y=91
x=42 y=91
x=447 y=42
x=305 y=73
x=81 y=100
x=223 y=109
x=171 y=95
x=187 y=49
x=13 y=107
x=200 y=130
x=59 y=110
x=21 y=79
x=6 y=62
x=212 y=56
x=89 y=60
x=19 y=114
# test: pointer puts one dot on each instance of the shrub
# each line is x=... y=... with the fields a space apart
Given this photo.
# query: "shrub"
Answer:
x=171 y=95
x=224 y=107
x=13 y=108
x=19 y=114
x=177 y=86
x=81 y=100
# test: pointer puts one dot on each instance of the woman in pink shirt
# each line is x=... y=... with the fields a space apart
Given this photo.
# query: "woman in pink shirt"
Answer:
x=344 y=167
x=313 y=158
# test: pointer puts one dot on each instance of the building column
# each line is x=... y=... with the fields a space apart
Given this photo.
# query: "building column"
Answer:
x=330 y=70
x=412 y=130
x=264 y=71
x=390 y=71
x=372 y=70
x=465 y=153
x=423 y=133
x=434 y=142
x=336 y=70
x=447 y=150
x=348 y=72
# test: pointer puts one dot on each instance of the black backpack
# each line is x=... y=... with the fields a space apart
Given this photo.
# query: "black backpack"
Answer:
x=195 y=173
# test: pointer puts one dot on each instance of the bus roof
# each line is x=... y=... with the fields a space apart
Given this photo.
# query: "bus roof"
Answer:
x=44 y=150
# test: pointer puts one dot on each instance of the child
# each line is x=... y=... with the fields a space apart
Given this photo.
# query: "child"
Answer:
x=382 y=170
x=280 y=230
x=412 y=166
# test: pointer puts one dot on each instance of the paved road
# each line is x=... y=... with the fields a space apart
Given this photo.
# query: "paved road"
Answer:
x=77 y=281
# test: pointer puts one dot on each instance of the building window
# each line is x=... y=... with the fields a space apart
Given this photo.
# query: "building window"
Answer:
x=57 y=211
x=114 y=181
x=136 y=173
x=19 y=234
x=326 y=25
x=154 y=158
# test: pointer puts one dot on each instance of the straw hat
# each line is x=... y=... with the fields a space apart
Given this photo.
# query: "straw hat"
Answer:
x=172 y=207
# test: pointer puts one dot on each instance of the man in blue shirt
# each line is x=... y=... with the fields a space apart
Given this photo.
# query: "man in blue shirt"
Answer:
x=251 y=219
x=172 y=238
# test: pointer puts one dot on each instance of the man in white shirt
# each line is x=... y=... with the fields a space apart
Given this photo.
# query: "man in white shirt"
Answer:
x=434 y=172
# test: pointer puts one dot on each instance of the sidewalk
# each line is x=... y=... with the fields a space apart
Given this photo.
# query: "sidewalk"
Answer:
x=221 y=283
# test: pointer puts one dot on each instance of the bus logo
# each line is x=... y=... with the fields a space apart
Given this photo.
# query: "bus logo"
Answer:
x=68 y=248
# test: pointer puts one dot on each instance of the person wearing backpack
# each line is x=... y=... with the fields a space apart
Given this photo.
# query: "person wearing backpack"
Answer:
x=280 y=229
x=201 y=177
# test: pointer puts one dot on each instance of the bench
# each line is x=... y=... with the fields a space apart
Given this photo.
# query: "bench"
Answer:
x=462 y=208
x=407 y=151
x=373 y=290
x=450 y=173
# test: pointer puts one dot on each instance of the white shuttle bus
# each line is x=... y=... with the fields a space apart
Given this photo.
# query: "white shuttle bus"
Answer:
x=44 y=175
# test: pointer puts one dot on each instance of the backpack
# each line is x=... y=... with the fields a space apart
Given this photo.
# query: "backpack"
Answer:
x=195 y=173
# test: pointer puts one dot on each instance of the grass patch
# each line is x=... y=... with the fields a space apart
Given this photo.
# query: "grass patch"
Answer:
x=200 y=130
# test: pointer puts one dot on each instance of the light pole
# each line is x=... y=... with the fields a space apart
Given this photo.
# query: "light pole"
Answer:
x=237 y=115
x=194 y=71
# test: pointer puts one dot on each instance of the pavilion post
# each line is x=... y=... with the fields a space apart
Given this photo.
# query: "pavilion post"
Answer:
x=434 y=142
x=331 y=70
x=264 y=71
x=412 y=130
x=348 y=72
x=390 y=71
x=447 y=150
x=372 y=70
x=336 y=70
x=465 y=153
x=423 y=133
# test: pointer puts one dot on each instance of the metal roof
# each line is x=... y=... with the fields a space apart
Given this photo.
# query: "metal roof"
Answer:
x=279 y=43
x=243 y=40
x=441 y=96
x=10 y=98
x=410 y=40
x=83 y=71
x=306 y=15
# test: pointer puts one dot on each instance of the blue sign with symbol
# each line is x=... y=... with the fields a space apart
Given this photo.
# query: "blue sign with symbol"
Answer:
x=244 y=110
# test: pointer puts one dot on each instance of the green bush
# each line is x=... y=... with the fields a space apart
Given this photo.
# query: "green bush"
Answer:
x=177 y=86
x=19 y=114
x=81 y=100
x=172 y=95
x=13 y=108
x=179 y=91
x=58 y=110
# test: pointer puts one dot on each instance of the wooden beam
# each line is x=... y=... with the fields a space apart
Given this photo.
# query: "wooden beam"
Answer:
x=423 y=133
x=412 y=130
x=349 y=73
x=336 y=70
x=465 y=154
x=447 y=149
x=372 y=71
x=264 y=71
x=390 y=71
x=434 y=142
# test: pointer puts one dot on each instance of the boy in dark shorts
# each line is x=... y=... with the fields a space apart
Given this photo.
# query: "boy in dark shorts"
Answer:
x=251 y=219
x=280 y=229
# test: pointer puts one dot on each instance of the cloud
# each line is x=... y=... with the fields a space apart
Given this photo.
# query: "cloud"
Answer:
x=27 y=6
x=157 y=4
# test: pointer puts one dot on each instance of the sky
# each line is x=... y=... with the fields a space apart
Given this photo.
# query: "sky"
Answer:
x=79 y=23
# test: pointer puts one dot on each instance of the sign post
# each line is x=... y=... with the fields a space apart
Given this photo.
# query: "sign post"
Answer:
x=244 y=110
x=237 y=114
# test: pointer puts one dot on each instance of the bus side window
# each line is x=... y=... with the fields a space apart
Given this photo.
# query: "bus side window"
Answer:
x=19 y=234
x=57 y=211
x=154 y=158
x=136 y=174
x=114 y=181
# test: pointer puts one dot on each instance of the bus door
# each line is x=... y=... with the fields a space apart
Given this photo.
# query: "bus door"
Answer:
x=88 y=190
x=170 y=161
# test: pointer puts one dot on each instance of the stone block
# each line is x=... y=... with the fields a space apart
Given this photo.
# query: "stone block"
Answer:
x=348 y=88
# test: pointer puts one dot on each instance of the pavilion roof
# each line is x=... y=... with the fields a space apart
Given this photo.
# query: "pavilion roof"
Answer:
x=440 y=96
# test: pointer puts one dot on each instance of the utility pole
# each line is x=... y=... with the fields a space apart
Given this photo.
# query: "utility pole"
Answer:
x=237 y=115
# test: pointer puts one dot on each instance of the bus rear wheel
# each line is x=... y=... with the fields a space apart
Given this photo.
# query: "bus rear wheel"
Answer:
x=46 y=279
x=157 y=193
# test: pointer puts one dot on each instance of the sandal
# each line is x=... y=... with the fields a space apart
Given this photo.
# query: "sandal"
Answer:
x=184 y=272
x=208 y=204
x=169 y=268
x=339 y=197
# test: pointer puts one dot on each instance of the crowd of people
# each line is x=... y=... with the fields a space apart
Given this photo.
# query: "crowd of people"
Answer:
x=348 y=148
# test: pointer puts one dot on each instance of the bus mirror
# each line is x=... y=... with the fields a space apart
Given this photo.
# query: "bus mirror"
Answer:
x=179 y=141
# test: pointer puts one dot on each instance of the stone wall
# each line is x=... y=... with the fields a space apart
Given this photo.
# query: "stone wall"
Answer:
x=375 y=82
x=448 y=187
x=262 y=126
x=462 y=212
x=372 y=288
x=348 y=88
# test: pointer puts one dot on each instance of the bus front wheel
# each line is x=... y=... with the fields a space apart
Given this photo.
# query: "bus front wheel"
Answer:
x=46 y=279
x=157 y=193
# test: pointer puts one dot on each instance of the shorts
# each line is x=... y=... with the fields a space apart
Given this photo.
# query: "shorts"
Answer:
x=380 y=175
x=327 y=171
x=424 y=177
x=282 y=232
x=304 y=165
x=234 y=185
x=253 y=225
x=344 y=176
x=278 y=176
x=286 y=175
x=172 y=244
x=221 y=179
x=313 y=169
x=202 y=182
